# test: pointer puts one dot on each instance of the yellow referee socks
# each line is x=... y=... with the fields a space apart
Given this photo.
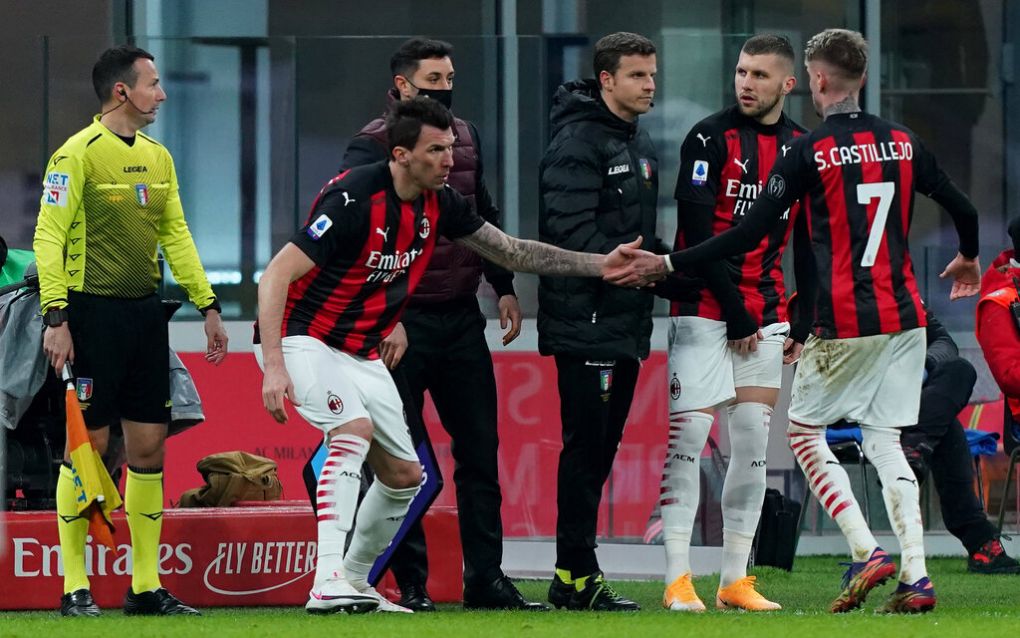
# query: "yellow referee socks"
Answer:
x=143 y=505
x=73 y=530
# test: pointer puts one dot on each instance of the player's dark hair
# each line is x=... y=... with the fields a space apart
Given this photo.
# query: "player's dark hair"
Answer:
x=406 y=117
x=769 y=43
x=614 y=46
x=408 y=57
x=116 y=64
x=845 y=50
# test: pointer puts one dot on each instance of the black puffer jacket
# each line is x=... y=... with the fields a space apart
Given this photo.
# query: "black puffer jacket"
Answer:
x=599 y=186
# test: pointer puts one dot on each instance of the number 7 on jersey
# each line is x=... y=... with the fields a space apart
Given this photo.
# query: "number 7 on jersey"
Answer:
x=884 y=191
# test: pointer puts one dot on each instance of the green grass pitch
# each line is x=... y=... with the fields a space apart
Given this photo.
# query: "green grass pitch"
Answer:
x=969 y=605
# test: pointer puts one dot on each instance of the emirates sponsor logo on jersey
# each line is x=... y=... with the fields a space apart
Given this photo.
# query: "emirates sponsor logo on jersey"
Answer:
x=745 y=194
x=387 y=267
x=894 y=151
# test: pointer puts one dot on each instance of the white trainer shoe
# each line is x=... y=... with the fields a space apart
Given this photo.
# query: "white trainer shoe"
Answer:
x=336 y=595
x=385 y=605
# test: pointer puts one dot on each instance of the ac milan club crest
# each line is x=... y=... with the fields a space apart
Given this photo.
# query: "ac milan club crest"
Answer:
x=674 y=388
x=424 y=228
x=336 y=406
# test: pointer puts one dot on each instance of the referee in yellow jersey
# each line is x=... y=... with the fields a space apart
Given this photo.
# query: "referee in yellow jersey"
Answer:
x=109 y=199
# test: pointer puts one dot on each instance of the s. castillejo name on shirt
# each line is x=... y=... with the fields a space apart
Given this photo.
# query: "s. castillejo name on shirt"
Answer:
x=388 y=266
x=893 y=151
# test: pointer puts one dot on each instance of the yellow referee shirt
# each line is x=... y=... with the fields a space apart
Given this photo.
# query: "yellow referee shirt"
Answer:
x=105 y=207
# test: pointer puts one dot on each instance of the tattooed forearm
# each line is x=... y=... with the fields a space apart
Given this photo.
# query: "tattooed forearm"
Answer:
x=524 y=255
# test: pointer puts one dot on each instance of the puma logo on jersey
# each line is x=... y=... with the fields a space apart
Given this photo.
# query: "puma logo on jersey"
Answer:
x=742 y=165
x=380 y=231
x=704 y=140
x=348 y=200
x=618 y=169
x=785 y=148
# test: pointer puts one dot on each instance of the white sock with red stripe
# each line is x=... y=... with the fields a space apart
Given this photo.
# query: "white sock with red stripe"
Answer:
x=681 y=487
x=901 y=495
x=831 y=486
x=382 y=511
x=744 y=489
x=337 y=499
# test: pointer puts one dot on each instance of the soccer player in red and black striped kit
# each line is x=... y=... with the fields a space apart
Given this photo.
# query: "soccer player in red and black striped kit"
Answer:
x=865 y=361
x=329 y=298
x=726 y=347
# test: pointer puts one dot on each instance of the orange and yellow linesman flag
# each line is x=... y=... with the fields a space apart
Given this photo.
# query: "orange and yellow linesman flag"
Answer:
x=95 y=492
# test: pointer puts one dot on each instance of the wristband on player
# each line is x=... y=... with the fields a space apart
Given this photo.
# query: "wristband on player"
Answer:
x=669 y=264
x=215 y=305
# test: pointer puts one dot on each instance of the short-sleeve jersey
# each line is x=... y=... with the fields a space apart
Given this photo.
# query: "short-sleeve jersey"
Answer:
x=859 y=173
x=724 y=161
x=105 y=206
x=370 y=250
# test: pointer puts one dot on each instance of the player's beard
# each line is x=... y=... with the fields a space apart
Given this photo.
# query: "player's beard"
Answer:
x=761 y=108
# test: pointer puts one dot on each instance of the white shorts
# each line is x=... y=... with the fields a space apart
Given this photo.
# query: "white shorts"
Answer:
x=704 y=372
x=872 y=380
x=335 y=388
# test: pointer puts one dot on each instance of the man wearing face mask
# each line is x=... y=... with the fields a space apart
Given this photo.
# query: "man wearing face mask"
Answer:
x=440 y=346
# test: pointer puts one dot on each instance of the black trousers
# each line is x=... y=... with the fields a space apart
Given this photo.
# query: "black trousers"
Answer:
x=447 y=356
x=594 y=402
x=944 y=394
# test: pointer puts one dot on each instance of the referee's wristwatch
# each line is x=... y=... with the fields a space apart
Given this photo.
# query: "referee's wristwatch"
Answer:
x=215 y=305
x=55 y=317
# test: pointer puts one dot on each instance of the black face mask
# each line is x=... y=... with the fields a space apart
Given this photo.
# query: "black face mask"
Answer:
x=443 y=96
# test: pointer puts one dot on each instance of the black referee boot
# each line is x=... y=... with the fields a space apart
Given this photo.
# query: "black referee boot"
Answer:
x=560 y=592
x=155 y=603
x=598 y=595
x=78 y=603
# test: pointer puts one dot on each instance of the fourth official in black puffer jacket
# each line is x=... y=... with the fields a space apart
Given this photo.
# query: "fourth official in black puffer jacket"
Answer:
x=599 y=186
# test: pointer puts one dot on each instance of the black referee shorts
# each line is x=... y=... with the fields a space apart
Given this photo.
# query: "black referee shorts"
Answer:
x=121 y=358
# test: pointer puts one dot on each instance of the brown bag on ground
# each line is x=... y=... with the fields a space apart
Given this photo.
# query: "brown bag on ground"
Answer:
x=234 y=476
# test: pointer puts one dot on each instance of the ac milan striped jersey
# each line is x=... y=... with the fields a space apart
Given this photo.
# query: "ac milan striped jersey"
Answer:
x=856 y=176
x=724 y=161
x=370 y=250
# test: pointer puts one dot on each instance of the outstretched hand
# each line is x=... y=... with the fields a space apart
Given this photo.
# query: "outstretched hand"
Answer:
x=966 y=274
x=631 y=267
